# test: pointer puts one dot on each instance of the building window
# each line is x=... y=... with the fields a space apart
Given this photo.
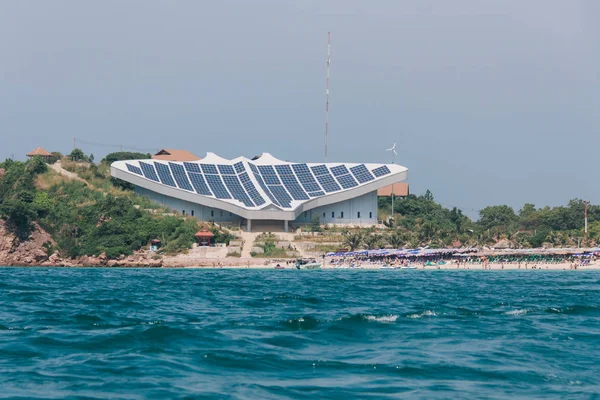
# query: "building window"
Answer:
x=342 y=214
x=183 y=212
x=332 y=214
x=323 y=215
x=212 y=213
x=230 y=214
x=221 y=213
x=358 y=214
x=305 y=214
x=192 y=213
x=371 y=215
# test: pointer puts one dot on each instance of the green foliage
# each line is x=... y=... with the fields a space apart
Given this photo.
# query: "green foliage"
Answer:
x=124 y=155
x=78 y=155
x=315 y=224
x=353 y=240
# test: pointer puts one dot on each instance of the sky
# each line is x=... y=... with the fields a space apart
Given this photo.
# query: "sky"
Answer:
x=493 y=102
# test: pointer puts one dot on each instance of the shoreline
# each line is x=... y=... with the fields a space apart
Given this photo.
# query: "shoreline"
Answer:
x=270 y=264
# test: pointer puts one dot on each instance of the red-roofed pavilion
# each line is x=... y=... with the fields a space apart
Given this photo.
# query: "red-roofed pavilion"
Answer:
x=40 y=152
x=204 y=237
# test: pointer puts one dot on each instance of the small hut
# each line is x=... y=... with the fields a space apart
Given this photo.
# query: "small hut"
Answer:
x=204 y=237
x=40 y=152
x=155 y=244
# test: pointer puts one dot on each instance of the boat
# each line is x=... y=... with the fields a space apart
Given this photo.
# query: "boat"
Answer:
x=386 y=267
x=307 y=263
x=408 y=267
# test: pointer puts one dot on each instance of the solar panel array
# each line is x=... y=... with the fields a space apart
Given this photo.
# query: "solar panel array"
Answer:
x=149 y=171
x=164 y=173
x=282 y=183
x=361 y=173
x=134 y=169
x=381 y=171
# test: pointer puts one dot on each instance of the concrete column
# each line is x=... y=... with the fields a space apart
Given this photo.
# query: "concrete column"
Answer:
x=285 y=225
x=249 y=225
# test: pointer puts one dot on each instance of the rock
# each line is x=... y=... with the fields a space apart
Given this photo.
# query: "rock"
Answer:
x=257 y=250
x=103 y=257
x=112 y=263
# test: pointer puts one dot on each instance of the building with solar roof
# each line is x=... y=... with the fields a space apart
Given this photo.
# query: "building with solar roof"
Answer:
x=263 y=190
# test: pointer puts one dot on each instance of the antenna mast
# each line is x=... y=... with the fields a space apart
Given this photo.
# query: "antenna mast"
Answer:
x=327 y=92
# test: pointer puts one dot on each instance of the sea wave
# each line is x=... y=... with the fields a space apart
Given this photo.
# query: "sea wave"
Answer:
x=211 y=334
x=426 y=313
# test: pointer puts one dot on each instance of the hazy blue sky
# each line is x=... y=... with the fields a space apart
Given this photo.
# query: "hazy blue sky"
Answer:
x=490 y=102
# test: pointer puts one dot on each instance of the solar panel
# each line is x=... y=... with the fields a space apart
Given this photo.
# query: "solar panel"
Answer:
x=328 y=183
x=192 y=167
x=199 y=184
x=149 y=171
x=266 y=189
x=271 y=179
x=253 y=193
x=237 y=191
x=180 y=176
x=281 y=195
x=266 y=170
x=319 y=170
x=226 y=169
x=347 y=181
x=239 y=167
x=209 y=169
x=339 y=170
x=216 y=185
x=253 y=168
x=134 y=169
x=381 y=171
x=164 y=173
x=316 y=194
x=361 y=173
x=284 y=169
x=300 y=168
x=306 y=178
x=291 y=184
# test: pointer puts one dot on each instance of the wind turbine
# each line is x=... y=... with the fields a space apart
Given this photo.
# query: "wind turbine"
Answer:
x=393 y=150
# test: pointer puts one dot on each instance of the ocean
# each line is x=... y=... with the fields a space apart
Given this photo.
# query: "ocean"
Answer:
x=287 y=334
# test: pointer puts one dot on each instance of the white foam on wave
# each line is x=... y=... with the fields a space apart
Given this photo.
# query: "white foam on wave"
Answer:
x=383 y=318
x=426 y=313
x=517 y=312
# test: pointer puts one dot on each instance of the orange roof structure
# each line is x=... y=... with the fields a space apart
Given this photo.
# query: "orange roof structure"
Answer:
x=175 y=155
x=39 y=152
x=204 y=232
x=400 y=190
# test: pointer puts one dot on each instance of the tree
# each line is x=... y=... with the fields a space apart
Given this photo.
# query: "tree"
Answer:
x=77 y=155
x=315 y=224
x=124 y=155
x=395 y=240
x=353 y=240
x=373 y=241
x=500 y=217
x=428 y=195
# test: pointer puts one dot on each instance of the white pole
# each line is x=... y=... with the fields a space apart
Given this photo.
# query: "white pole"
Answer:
x=393 y=162
x=327 y=92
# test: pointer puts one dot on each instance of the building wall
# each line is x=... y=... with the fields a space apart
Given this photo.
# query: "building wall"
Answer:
x=344 y=212
x=185 y=207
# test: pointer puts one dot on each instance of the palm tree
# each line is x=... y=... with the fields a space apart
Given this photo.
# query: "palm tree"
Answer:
x=373 y=241
x=395 y=240
x=353 y=240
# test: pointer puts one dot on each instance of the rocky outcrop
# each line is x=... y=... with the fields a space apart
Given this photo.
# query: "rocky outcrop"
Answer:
x=29 y=252
x=34 y=252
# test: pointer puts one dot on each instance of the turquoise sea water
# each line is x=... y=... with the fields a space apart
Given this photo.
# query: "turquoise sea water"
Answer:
x=262 y=334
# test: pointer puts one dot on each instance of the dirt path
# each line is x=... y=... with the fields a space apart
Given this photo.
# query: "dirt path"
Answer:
x=57 y=166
